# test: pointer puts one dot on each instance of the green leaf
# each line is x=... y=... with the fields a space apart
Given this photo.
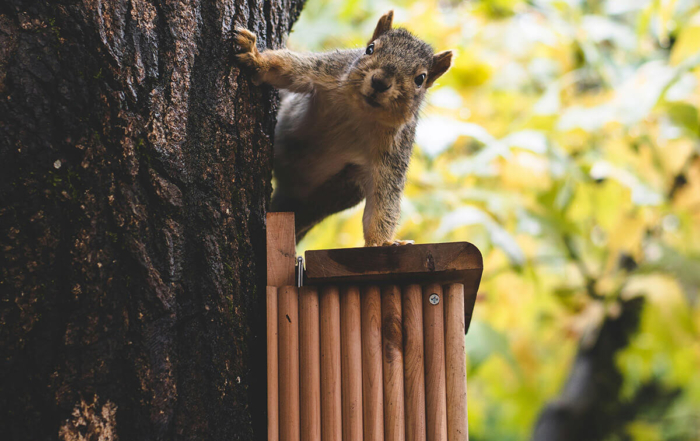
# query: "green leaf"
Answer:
x=482 y=342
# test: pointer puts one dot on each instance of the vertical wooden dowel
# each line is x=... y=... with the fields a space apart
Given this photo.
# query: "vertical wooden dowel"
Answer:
x=392 y=356
x=331 y=407
x=351 y=368
x=455 y=364
x=310 y=364
x=281 y=249
x=272 y=364
x=414 y=373
x=288 y=329
x=372 y=379
x=281 y=363
x=434 y=338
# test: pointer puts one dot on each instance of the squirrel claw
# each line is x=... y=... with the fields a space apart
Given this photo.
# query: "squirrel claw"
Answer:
x=249 y=55
x=245 y=39
x=395 y=243
x=389 y=243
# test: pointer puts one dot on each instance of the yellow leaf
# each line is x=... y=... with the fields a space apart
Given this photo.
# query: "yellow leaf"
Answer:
x=643 y=431
x=688 y=42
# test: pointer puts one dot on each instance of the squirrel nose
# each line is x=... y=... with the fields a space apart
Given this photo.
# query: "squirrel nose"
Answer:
x=380 y=85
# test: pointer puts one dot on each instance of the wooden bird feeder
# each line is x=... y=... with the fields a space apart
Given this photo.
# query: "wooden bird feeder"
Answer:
x=371 y=347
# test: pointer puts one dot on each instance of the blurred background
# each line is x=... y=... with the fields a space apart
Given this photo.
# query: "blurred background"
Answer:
x=564 y=143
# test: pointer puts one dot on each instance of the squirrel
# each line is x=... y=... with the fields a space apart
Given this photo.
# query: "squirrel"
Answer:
x=346 y=127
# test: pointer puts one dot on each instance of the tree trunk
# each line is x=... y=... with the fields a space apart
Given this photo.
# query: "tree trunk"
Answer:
x=135 y=166
x=589 y=406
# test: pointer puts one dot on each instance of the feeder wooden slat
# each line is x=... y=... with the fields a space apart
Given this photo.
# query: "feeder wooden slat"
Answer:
x=272 y=365
x=434 y=338
x=353 y=357
x=414 y=371
x=281 y=249
x=288 y=329
x=372 y=376
x=351 y=368
x=331 y=405
x=455 y=364
x=456 y=262
x=392 y=356
x=310 y=364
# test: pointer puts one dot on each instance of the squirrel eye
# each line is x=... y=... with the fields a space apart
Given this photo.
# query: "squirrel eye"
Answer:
x=370 y=49
x=419 y=80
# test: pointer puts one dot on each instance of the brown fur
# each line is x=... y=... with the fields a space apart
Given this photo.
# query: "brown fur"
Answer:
x=346 y=131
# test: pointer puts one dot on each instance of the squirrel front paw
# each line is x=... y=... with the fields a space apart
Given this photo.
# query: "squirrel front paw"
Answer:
x=388 y=243
x=246 y=40
x=394 y=243
x=250 y=56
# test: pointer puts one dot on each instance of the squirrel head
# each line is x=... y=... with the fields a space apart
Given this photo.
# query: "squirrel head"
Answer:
x=394 y=73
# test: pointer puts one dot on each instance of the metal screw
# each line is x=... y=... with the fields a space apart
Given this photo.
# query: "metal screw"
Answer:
x=434 y=299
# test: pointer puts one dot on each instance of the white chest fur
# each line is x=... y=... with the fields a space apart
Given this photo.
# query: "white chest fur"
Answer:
x=321 y=135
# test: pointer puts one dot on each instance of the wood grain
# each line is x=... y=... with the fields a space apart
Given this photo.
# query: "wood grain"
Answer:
x=281 y=249
x=351 y=369
x=455 y=364
x=331 y=405
x=405 y=263
x=272 y=366
x=456 y=262
x=310 y=364
x=434 y=338
x=288 y=329
x=414 y=369
x=372 y=372
x=392 y=356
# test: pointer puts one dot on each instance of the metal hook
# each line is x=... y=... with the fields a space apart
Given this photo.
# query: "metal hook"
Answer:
x=300 y=271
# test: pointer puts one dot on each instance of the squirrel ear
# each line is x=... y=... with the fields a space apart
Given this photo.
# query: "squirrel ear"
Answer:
x=383 y=25
x=441 y=63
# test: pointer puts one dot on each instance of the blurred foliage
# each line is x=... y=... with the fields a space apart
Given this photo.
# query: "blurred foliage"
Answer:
x=565 y=144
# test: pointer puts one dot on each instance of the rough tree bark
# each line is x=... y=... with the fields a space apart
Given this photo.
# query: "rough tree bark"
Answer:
x=135 y=166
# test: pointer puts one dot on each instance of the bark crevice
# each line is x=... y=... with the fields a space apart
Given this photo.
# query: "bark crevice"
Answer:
x=135 y=166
